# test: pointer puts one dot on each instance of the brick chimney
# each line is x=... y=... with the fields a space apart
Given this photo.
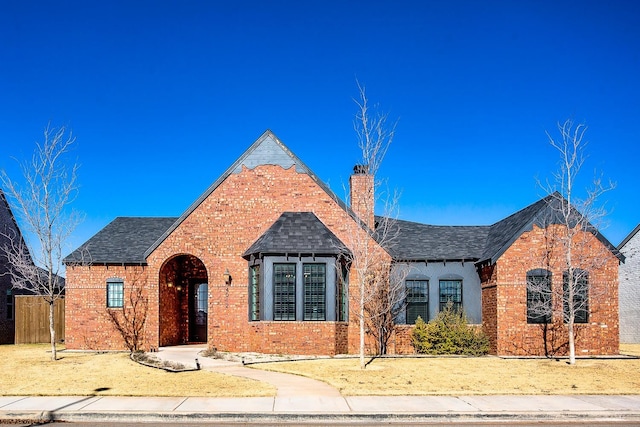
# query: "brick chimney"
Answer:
x=361 y=194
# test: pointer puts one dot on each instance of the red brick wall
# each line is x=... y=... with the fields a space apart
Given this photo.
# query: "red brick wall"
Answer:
x=217 y=233
x=87 y=324
x=505 y=305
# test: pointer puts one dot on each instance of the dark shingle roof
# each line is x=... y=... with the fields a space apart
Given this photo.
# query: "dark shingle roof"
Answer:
x=414 y=241
x=503 y=233
x=123 y=241
x=297 y=233
x=541 y=213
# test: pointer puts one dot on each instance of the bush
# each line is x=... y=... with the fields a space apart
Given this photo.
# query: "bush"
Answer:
x=449 y=333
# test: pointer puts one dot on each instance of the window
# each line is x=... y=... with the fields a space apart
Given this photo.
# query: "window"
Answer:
x=115 y=293
x=451 y=290
x=284 y=291
x=417 y=300
x=10 y=304
x=342 y=293
x=539 y=296
x=254 y=293
x=580 y=295
x=315 y=284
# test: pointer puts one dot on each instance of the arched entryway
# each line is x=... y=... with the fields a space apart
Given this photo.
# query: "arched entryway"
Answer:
x=184 y=303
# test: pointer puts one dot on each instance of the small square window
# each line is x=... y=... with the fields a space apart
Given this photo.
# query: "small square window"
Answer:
x=115 y=294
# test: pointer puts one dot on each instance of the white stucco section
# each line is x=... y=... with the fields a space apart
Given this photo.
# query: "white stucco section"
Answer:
x=436 y=271
x=629 y=290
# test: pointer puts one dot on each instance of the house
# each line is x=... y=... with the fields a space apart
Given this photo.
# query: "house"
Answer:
x=8 y=229
x=630 y=288
x=24 y=317
x=256 y=263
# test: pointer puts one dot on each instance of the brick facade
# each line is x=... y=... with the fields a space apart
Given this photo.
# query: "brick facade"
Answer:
x=208 y=246
x=216 y=234
x=504 y=298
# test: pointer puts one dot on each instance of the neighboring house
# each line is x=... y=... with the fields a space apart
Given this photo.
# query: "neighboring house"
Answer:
x=630 y=288
x=24 y=312
x=254 y=264
x=8 y=230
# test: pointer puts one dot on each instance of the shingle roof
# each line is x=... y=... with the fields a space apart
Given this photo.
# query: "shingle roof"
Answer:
x=503 y=233
x=123 y=241
x=541 y=213
x=297 y=233
x=414 y=241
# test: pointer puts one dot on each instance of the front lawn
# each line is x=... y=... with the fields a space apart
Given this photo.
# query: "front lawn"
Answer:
x=28 y=371
x=468 y=375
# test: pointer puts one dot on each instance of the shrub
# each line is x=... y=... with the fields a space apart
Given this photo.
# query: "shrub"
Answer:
x=449 y=333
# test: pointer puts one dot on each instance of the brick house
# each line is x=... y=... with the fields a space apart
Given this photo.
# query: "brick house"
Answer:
x=254 y=264
x=630 y=288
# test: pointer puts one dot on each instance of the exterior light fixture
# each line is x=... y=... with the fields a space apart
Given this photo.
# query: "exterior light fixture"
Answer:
x=227 y=277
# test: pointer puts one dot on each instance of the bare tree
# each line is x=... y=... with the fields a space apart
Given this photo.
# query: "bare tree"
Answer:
x=378 y=296
x=568 y=222
x=130 y=321
x=385 y=302
x=42 y=208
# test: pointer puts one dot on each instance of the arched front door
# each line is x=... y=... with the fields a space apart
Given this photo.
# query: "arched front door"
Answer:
x=184 y=302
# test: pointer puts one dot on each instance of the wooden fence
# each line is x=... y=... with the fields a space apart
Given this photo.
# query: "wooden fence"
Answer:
x=32 y=320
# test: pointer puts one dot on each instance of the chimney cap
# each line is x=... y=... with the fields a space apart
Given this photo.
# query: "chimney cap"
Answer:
x=361 y=169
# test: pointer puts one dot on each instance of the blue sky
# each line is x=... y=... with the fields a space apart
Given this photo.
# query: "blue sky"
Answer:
x=164 y=95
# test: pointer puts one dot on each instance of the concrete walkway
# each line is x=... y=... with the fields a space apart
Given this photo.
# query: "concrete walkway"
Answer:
x=288 y=386
x=300 y=400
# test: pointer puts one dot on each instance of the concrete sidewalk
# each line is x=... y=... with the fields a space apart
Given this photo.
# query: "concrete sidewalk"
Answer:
x=300 y=399
x=315 y=409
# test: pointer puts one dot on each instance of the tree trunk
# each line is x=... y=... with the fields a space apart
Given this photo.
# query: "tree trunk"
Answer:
x=362 y=363
x=572 y=344
x=52 y=330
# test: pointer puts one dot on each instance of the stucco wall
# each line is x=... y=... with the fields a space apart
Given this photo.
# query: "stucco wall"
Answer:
x=436 y=271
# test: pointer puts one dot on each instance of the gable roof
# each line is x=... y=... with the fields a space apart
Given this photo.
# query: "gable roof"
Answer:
x=296 y=233
x=629 y=237
x=545 y=211
x=9 y=228
x=421 y=242
x=266 y=150
x=123 y=241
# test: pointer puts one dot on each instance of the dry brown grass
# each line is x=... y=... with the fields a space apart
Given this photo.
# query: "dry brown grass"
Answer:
x=27 y=370
x=476 y=376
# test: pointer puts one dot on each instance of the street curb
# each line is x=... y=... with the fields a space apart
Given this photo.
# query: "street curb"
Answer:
x=293 y=417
